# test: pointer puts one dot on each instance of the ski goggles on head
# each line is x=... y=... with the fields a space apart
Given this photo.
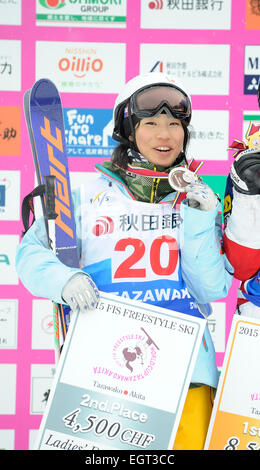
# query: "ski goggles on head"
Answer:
x=149 y=101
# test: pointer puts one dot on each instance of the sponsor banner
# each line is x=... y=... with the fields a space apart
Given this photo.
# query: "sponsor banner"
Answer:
x=189 y=14
x=88 y=132
x=9 y=195
x=41 y=382
x=10 y=130
x=252 y=14
x=202 y=68
x=235 y=420
x=251 y=70
x=98 y=13
x=8 y=244
x=82 y=67
x=10 y=65
x=10 y=12
x=8 y=324
x=7 y=389
x=42 y=324
x=106 y=394
x=209 y=135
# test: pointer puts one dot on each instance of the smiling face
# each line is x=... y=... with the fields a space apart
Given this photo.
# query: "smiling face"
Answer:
x=159 y=139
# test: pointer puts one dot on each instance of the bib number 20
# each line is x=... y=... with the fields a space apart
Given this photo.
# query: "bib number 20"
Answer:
x=164 y=247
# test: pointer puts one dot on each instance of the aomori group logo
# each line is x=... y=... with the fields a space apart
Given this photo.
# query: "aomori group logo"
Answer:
x=53 y=4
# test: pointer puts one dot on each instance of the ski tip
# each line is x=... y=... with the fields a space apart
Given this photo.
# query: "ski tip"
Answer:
x=44 y=94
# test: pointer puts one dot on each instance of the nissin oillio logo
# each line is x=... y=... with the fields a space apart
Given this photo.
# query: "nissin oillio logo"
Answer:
x=52 y=4
x=79 y=66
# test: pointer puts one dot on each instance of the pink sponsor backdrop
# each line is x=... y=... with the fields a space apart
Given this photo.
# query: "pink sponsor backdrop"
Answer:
x=237 y=37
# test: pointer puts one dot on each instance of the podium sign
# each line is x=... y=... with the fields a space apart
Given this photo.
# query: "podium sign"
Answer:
x=122 y=378
x=235 y=420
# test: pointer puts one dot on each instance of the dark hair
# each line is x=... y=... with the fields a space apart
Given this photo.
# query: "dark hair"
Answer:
x=121 y=158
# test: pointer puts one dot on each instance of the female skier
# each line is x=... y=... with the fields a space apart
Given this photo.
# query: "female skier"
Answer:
x=138 y=237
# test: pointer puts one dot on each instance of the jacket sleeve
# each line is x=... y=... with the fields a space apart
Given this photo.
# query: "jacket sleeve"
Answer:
x=38 y=267
x=206 y=271
x=241 y=240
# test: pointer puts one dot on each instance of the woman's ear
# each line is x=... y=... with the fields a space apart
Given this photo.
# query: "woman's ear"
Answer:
x=131 y=138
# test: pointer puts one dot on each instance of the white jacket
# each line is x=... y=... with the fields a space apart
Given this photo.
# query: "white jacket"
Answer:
x=149 y=252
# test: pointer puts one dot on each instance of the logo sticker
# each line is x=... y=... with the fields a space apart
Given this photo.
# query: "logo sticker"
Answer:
x=135 y=354
x=251 y=70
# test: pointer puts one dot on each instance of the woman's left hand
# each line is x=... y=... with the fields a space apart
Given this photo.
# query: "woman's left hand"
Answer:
x=201 y=196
